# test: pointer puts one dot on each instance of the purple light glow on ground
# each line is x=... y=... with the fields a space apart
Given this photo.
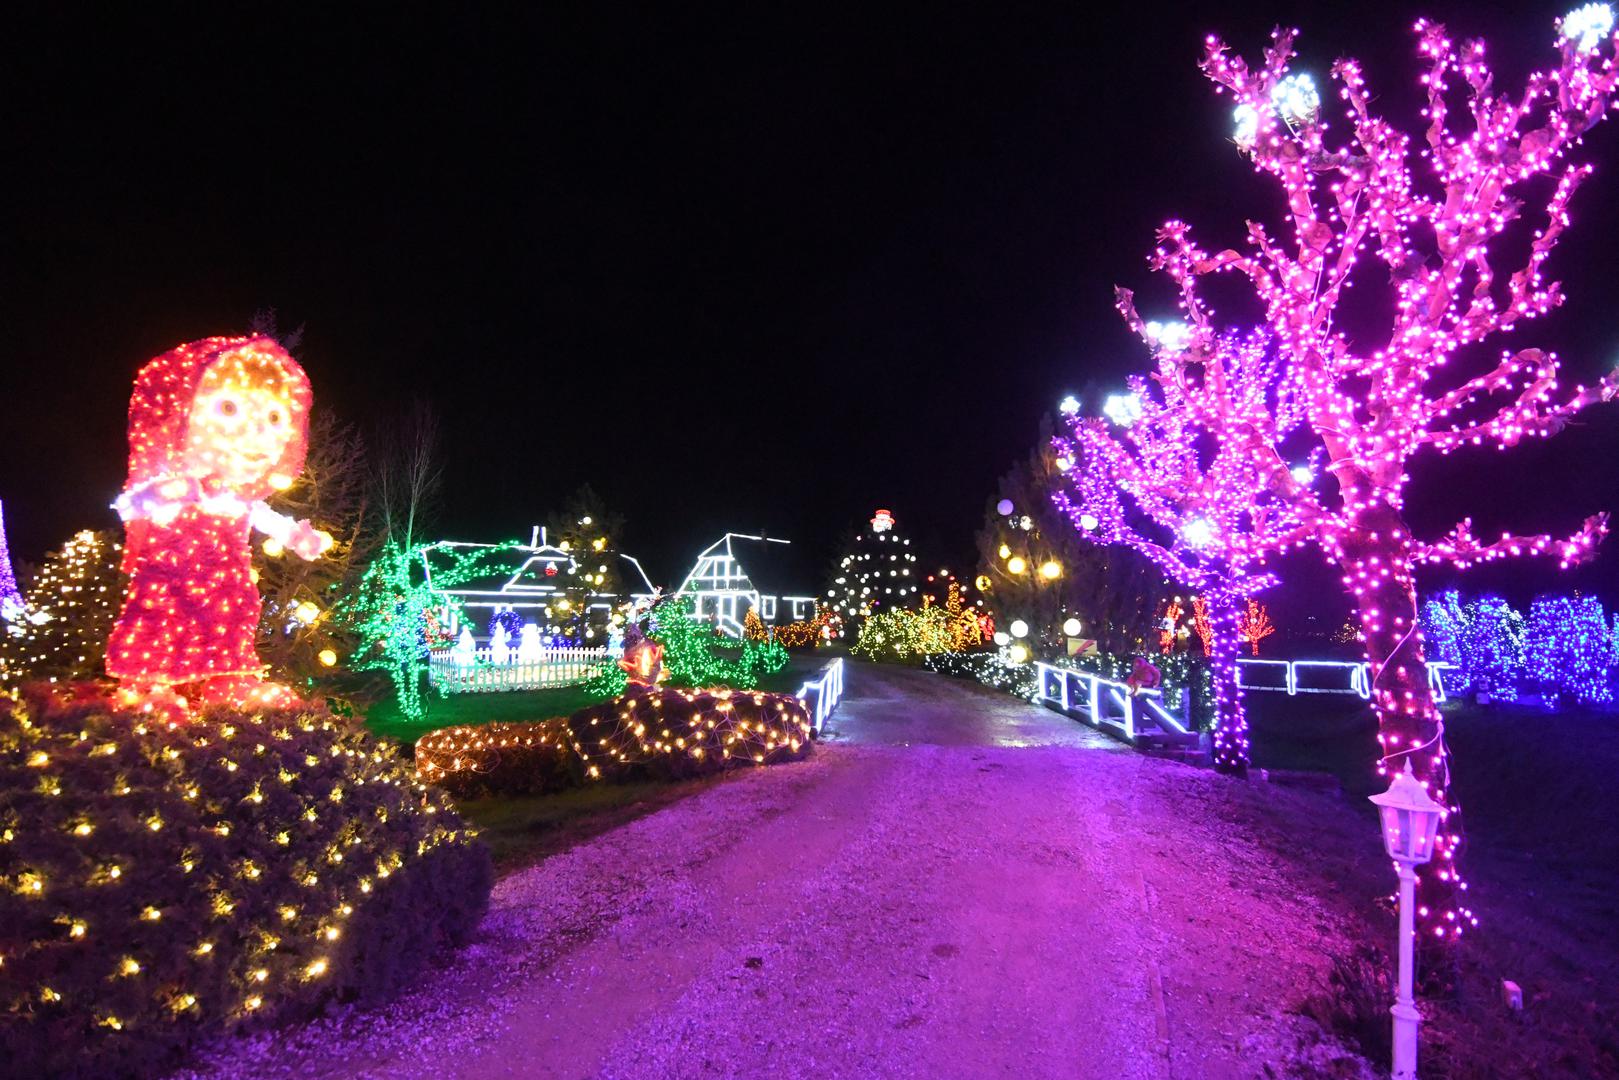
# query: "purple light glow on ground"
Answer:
x=958 y=885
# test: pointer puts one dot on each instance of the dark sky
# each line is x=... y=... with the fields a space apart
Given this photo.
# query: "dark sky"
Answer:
x=758 y=269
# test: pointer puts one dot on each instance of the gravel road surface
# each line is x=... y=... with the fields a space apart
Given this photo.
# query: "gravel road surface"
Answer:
x=956 y=884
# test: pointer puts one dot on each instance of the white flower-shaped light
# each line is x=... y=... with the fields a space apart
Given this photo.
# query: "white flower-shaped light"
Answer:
x=1198 y=533
x=1587 y=27
x=1122 y=409
x=1088 y=522
x=1296 y=100
x=1169 y=337
x=1247 y=121
x=1302 y=474
x=1069 y=405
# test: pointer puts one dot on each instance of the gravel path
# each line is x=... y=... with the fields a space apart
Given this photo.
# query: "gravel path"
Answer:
x=956 y=885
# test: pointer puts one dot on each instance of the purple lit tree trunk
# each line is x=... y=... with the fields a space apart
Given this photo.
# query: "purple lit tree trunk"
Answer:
x=1230 y=734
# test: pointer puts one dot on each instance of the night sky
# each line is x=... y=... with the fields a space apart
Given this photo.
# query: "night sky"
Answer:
x=743 y=270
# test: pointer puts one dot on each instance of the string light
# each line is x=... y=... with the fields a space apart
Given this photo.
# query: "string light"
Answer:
x=154 y=872
x=667 y=731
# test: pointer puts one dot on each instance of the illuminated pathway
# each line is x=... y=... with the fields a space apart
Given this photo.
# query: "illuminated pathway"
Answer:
x=957 y=885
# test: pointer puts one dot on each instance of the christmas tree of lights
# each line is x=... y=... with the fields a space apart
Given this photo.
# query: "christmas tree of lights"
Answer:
x=877 y=572
x=1172 y=475
x=11 y=603
x=71 y=605
x=1435 y=222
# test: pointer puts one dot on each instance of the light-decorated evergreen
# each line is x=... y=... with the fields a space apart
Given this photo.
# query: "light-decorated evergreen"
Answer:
x=71 y=605
x=590 y=533
x=11 y=602
x=878 y=572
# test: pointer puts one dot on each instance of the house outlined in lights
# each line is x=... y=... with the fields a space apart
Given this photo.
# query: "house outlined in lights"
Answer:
x=740 y=572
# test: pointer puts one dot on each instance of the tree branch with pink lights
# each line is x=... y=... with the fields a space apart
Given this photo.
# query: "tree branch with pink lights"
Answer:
x=1434 y=224
x=1180 y=476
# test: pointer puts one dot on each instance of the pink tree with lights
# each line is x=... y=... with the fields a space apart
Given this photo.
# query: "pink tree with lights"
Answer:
x=1172 y=474
x=1438 y=223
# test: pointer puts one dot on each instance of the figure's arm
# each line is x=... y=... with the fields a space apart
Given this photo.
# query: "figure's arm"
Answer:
x=299 y=537
x=159 y=500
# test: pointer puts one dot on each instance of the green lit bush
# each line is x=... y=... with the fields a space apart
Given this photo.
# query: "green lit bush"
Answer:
x=158 y=885
x=645 y=734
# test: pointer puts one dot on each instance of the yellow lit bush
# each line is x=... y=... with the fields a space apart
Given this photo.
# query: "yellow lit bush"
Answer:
x=158 y=885
x=643 y=734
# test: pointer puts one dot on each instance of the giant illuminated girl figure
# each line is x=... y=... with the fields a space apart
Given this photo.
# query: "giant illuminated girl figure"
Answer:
x=215 y=427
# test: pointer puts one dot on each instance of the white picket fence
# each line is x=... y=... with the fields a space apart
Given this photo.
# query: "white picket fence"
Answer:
x=545 y=669
x=1295 y=677
x=1111 y=705
x=821 y=694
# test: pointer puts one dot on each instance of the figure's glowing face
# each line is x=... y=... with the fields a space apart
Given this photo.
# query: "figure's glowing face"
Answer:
x=241 y=422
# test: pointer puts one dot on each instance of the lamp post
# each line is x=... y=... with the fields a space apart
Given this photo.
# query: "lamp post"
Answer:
x=1410 y=822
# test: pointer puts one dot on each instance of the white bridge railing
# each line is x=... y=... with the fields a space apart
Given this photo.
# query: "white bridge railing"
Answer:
x=1108 y=703
x=1324 y=677
x=450 y=674
x=821 y=694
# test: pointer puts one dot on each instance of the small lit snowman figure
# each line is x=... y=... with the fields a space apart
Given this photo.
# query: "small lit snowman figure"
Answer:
x=882 y=521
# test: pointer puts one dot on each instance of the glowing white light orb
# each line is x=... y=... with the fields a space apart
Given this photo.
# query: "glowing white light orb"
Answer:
x=1064 y=463
x=1088 y=521
x=1004 y=507
x=306 y=612
x=328 y=657
x=1296 y=99
x=1006 y=552
x=1019 y=654
x=1002 y=637
x=1586 y=27
x=1069 y=405
x=1169 y=337
x=1198 y=533
x=1051 y=569
x=1247 y=120
x=1122 y=409
x=1302 y=474
x=1071 y=627
x=1017 y=564
x=1020 y=629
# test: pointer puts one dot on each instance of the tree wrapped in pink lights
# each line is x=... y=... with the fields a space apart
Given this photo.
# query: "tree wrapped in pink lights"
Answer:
x=1173 y=473
x=1450 y=265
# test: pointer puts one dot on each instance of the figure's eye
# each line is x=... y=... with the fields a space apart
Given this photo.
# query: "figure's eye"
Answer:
x=227 y=407
x=275 y=417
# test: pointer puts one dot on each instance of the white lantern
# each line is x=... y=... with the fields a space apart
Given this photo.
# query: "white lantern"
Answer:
x=1410 y=819
x=1071 y=627
x=1020 y=628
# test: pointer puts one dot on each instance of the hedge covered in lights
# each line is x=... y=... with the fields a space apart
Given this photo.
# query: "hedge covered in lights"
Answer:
x=162 y=884
x=644 y=734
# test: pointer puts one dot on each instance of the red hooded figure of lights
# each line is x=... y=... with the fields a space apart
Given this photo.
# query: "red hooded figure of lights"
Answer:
x=215 y=427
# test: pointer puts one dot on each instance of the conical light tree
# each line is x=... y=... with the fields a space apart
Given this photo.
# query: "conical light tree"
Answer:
x=71 y=604
x=11 y=601
x=1425 y=233
x=877 y=572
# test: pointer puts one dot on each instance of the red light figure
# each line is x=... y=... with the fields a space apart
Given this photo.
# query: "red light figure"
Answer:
x=215 y=427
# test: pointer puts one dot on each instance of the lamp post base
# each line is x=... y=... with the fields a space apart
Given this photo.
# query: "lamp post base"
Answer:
x=1406 y=1019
